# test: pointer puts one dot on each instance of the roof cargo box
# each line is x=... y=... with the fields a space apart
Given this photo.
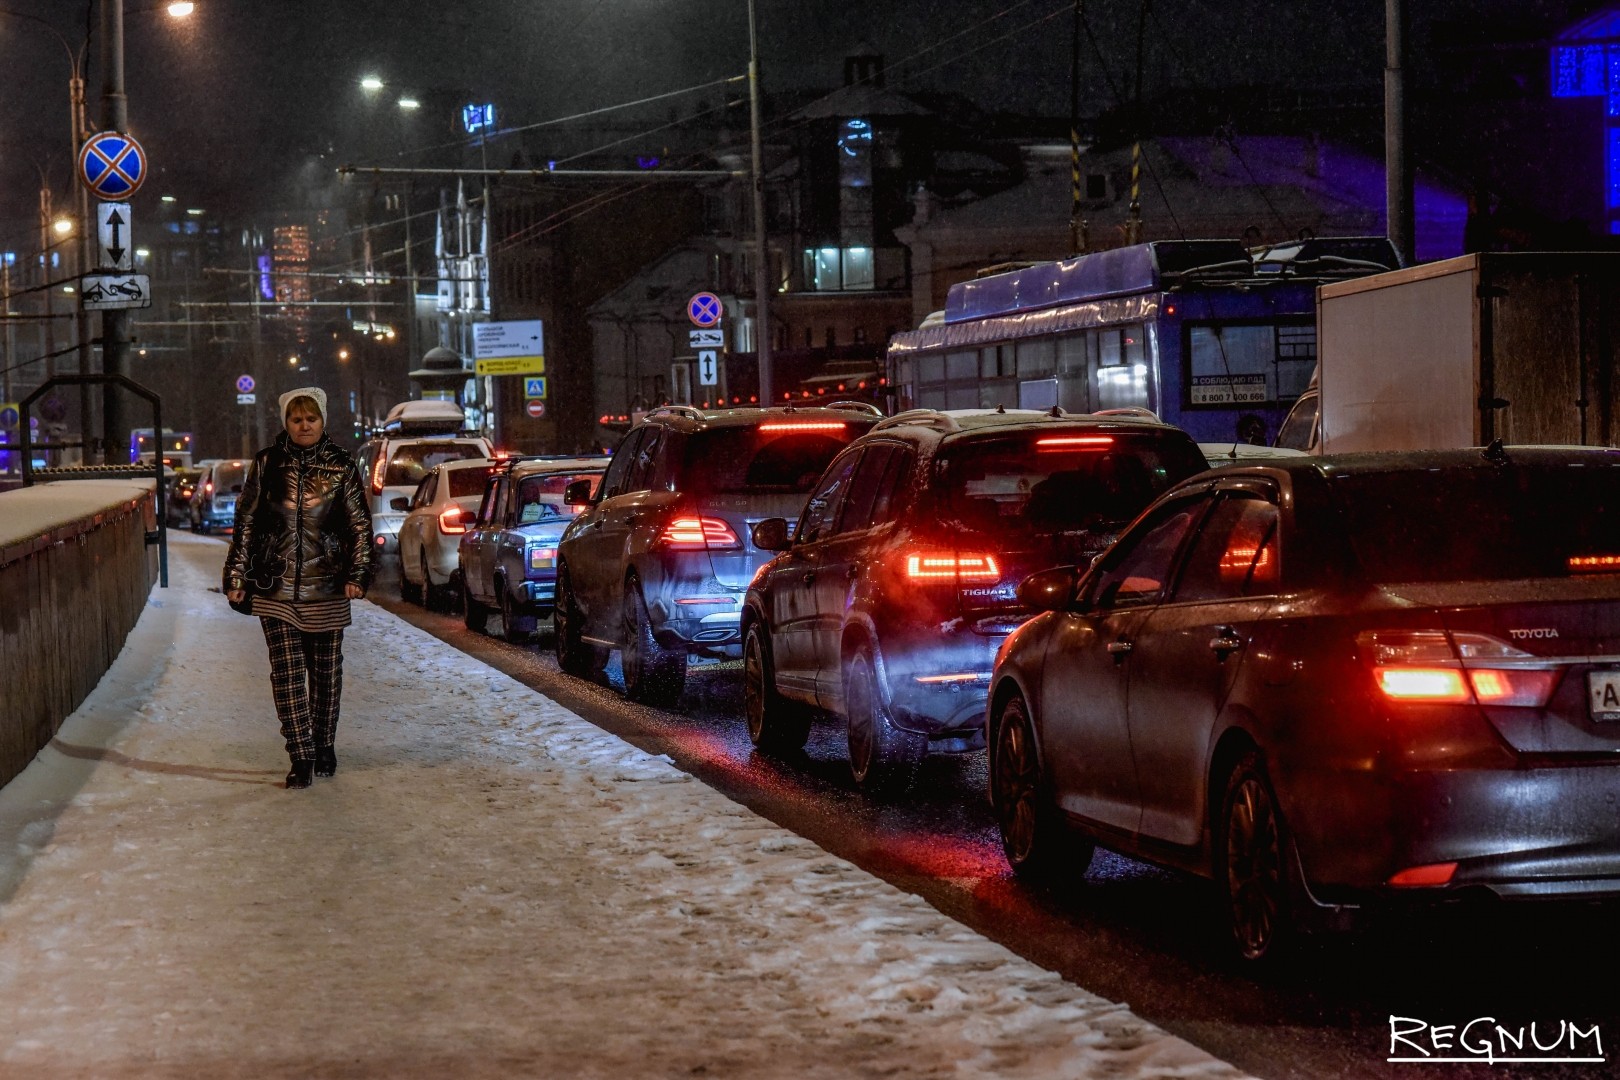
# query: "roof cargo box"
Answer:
x=425 y=418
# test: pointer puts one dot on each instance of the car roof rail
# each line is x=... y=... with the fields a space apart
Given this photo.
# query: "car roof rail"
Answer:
x=689 y=411
x=855 y=406
x=925 y=417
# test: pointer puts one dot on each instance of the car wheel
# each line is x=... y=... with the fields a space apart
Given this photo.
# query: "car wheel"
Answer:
x=575 y=655
x=473 y=614
x=775 y=724
x=514 y=627
x=432 y=595
x=882 y=757
x=409 y=593
x=1252 y=864
x=1033 y=837
x=653 y=675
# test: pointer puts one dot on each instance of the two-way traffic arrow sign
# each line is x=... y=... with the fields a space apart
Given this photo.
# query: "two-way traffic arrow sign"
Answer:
x=114 y=251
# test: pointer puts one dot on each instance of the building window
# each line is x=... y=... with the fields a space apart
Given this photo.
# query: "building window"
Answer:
x=832 y=337
x=833 y=269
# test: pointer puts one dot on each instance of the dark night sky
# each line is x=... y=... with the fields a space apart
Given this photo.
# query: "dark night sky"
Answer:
x=240 y=95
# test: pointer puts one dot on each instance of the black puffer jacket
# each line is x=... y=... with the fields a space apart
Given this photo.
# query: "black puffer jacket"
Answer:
x=303 y=529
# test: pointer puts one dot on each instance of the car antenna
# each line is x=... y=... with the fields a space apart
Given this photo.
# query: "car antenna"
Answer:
x=1495 y=453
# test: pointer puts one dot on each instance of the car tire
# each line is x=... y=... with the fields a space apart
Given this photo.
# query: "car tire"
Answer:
x=432 y=595
x=515 y=628
x=473 y=614
x=1033 y=837
x=653 y=675
x=883 y=759
x=775 y=724
x=1253 y=865
x=575 y=655
x=411 y=594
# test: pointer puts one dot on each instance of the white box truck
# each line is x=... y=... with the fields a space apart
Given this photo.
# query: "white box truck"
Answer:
x=1517 y=346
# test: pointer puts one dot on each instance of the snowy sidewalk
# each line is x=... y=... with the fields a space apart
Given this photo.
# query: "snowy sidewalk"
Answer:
x=489 y=887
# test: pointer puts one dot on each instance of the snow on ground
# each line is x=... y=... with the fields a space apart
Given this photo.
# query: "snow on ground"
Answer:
x=490 y=887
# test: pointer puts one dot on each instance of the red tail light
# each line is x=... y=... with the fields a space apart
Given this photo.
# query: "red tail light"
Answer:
x=1434 y=667
x=801 y=425
x=1418 y=876
x=208 y=489
x=451 y=521
x=687 y=533
x=1594 y=564
x=377 y=469
x=941 y=567
x=1073 y=442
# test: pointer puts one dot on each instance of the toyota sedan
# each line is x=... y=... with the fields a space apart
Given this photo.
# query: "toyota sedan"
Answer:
x=1328 y=683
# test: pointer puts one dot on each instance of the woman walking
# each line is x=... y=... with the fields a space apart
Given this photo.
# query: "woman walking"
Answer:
x=301 y=551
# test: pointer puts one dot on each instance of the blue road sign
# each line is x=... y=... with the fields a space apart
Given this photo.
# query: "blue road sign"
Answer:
x=245 y=384
x=534 y=386
x=112 y=164
x=704 y=309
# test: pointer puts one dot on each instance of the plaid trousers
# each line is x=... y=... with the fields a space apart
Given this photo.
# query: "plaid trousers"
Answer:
x=306 y=678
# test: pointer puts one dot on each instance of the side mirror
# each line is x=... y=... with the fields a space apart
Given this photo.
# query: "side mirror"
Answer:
x=1049 y=590
x=400 y=503
x=772 y=535
x=577 y=493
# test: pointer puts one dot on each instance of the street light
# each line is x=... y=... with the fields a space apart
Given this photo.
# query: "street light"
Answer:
x=181 y=8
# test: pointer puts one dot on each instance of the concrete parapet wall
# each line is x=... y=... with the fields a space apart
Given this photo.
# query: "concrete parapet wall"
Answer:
x=75 y=573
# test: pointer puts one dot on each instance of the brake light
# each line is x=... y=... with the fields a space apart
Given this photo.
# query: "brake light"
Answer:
x=1072 y=442
x=542 y=558
x=208 y=489
x=1438 y=686
x=801 y=425
x=450 y=521
x=942 y=566
x=1434 y=667
x=692 y=533
x=1594 y=564
x=377 y=474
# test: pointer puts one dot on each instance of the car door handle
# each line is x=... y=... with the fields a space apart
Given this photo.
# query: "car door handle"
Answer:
x=1120 y=649
x=810 y=578
x=1225 y=641
x=854 y=572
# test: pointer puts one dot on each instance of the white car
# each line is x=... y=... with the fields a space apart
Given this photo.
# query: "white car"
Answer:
x=444 y=506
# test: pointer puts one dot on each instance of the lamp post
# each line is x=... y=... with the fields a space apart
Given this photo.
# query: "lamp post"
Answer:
x=762 y=323
x=76 y=134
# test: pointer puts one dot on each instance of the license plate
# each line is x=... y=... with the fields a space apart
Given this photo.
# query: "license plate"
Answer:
x=1603 y=691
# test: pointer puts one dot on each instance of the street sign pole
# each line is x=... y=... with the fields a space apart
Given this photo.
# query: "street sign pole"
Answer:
x=115 y=322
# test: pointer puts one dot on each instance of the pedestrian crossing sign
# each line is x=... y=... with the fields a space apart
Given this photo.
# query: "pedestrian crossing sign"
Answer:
x=534 y=386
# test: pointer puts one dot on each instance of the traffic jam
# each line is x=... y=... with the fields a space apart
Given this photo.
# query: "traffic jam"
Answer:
x=1327 y=685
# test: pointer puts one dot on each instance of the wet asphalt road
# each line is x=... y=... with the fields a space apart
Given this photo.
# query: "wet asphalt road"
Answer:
x=1127 y=931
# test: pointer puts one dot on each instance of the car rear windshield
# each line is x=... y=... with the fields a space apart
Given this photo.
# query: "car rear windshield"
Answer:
x=1496 y=524
x=412 y=461
x=464 y=482
x=760 y=461
x=228 y=478
x=540 y=498
x=1061 y=480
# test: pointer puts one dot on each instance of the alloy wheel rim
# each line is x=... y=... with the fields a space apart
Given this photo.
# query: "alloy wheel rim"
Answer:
x=1253 y=867
x=754 y=687
x=1015 y=797
x=630 y=656
x=861 y=721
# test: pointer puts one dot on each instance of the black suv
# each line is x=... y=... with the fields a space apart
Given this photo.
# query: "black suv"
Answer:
x=888 y=603
x=659 y=558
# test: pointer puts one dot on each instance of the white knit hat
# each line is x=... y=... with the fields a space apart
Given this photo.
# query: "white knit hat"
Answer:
x=314 y=392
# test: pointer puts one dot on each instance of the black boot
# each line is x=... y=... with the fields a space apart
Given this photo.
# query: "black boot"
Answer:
x=299 y=776
x=325 y=761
